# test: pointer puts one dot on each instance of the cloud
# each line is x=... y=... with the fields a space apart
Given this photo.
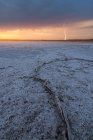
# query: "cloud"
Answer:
x=23 y=13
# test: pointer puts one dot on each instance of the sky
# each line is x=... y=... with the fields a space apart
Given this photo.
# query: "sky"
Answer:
x=46 y=19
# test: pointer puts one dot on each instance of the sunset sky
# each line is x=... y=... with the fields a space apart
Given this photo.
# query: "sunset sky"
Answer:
x=46 y=19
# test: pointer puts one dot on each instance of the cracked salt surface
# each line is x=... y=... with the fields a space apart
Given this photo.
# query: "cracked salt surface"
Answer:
x=38 y=82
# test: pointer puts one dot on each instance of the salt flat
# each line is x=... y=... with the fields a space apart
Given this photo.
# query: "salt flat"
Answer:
x=38 y=82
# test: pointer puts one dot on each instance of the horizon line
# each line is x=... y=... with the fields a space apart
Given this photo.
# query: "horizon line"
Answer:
x=47 y=40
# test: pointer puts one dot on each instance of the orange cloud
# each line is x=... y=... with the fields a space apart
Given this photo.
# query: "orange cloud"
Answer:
x=33 y=34
x=81 y=30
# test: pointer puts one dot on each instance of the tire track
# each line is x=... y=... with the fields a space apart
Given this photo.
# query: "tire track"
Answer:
x=63 y=130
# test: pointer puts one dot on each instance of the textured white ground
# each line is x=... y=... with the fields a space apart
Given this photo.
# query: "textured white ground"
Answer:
x=27 y=111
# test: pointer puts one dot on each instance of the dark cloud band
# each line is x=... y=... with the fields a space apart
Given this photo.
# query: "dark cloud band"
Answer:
x=44 y=12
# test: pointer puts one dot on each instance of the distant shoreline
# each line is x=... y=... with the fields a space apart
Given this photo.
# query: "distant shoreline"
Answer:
x=70 y=40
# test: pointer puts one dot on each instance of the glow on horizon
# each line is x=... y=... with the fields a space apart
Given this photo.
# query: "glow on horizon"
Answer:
x=47 y=33
x=79 y=30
